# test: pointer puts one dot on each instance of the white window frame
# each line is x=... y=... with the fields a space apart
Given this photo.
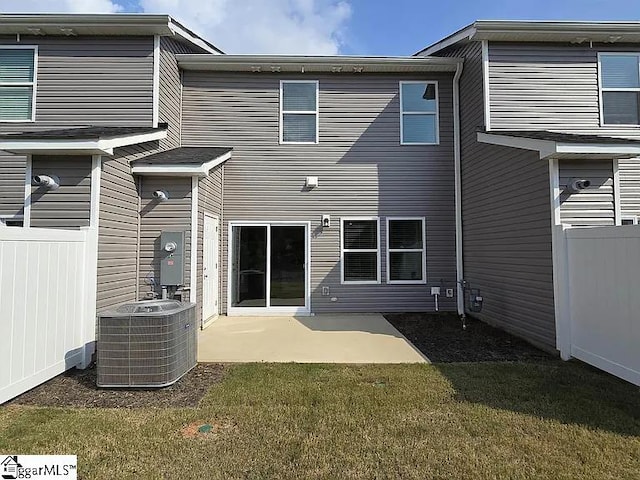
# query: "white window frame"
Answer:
x=422 y=250
x=315 y=112
x=601 y=88
x=367 y=250
x=33 y=84
x=633 y=218
x=436 y=113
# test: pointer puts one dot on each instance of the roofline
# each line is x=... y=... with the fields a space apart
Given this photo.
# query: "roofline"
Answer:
x=100 y=145
x=292 y=63
x=552 y=148
x=182 y=170
x=485 y=29
x=144 y=23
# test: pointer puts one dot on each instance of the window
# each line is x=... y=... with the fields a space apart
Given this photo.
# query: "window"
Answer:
x=298 y=111
x=406 y=250
x=360 y=250
x=620 y=88
x=17 y=84
x=419 y=113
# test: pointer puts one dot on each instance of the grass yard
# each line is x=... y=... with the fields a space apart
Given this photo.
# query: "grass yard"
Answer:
x=476 y=421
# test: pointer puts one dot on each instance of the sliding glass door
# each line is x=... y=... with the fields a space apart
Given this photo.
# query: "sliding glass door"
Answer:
x=268 y=268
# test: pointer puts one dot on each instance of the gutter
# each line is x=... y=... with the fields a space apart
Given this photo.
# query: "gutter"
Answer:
x=458 y=188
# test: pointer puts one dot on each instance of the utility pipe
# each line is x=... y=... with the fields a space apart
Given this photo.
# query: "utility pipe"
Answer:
x=458 y=188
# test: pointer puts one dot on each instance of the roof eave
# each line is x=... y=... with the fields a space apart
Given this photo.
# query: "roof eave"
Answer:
x=308 y=64
x=83 y=146
x=137 y=24
x=184 y=170
x=549 y=149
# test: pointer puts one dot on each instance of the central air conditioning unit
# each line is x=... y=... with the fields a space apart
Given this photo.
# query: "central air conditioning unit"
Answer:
x=146 y=344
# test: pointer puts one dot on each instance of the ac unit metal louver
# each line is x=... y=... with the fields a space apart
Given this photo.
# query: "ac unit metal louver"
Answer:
x=146 y=344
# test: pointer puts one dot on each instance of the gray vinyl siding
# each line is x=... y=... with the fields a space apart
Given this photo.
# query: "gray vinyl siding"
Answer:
x=591 y=206
x=209 y=201
x=362 y=170
x=118 y=230
x=172 y=215
x=12 y=178
x=68 y=206
x=506 y=228
x=629 y=174
x=549 y=86
x=90 y=81
x=81 y=81
x=170 y=92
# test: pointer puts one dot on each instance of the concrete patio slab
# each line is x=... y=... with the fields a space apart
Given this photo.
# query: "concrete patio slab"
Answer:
x=326 y=338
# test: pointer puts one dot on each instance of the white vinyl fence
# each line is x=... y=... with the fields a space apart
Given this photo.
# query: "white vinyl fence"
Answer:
x=47 y=305
x=600 y=323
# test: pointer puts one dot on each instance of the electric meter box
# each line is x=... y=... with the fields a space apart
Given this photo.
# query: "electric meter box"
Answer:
x=171 y=258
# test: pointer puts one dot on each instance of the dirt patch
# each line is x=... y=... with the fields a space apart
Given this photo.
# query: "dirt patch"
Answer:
x=77 y=388
x=208 y=430
x=442 y=339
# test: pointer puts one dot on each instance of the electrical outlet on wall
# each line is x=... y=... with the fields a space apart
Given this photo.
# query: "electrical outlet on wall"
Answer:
x=449 y=292
x=325 y=291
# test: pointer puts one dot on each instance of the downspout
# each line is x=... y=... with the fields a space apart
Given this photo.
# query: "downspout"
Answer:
x=139 y=218
x=458 y=188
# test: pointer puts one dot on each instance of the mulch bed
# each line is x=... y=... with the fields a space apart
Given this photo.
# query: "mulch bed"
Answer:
x=441 y=338
x=77 y=388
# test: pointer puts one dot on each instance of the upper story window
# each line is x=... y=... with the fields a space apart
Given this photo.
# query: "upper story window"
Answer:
x=298 y=111
x=17 y=83
x=419 y=113
x=620 y=88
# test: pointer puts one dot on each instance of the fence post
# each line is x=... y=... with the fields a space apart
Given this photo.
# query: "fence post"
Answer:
x=563 y=291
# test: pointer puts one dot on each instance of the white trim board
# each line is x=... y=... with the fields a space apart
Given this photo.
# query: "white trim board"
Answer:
x=185 y=170
x=486 y=85
x=81 y=146
x=193 y=281
x=156 y=80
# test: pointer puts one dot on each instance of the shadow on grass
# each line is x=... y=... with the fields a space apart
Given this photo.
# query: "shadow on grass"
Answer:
x=571 y=393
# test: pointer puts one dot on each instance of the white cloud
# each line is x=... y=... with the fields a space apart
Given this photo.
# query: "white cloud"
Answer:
x=263 y=26
x=235 y=26
x=59 y=6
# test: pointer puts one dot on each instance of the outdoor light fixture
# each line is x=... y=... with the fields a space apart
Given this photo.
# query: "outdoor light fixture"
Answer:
x=160 y=195
x=50 y=182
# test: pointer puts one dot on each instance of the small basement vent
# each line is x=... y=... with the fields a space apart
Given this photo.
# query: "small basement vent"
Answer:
x=146 y=344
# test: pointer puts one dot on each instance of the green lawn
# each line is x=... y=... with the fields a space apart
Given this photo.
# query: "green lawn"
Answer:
x=476 y=421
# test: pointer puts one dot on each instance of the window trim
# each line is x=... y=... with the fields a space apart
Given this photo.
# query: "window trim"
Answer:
x=601 y=89
x=367 y=250
x=423 y=250
x=33 y=84
x=436 y=113
x=306 y=112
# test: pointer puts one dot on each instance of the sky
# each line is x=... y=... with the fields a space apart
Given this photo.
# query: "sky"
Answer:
x=330 y=27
